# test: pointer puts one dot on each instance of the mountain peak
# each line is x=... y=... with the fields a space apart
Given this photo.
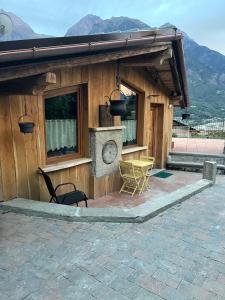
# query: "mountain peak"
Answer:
x=168 y=25
x=84 y=26
x=92 y=24
x=118 y=24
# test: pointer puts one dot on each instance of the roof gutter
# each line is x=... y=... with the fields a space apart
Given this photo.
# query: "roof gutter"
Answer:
x=40 y=52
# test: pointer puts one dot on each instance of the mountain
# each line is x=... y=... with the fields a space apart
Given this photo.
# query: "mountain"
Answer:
x=84 y=26
x=205 y=68
x=91 y=24
x=206 y=78
x=21 y=30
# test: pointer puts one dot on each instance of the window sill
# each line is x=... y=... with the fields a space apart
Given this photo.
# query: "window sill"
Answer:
x=66 y=165
x=134 y=149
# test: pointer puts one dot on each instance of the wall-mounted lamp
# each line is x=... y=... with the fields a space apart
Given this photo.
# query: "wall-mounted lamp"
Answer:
x=152 y=96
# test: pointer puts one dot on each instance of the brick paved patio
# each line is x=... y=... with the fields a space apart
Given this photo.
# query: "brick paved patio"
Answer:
x=179 y=254
x=159 y=187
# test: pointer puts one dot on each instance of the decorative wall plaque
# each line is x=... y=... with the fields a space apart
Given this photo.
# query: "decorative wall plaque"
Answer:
x=106 y=149
x=109 y=152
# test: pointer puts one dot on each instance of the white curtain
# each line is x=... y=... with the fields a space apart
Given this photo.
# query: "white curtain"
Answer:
x=60 y=133
x=130 y=132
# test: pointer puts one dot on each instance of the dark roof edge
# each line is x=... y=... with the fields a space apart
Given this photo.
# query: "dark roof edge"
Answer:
x=87 y=47
x=68 y=40
x=182 y=71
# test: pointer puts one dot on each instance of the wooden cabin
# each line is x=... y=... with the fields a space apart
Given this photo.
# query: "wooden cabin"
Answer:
x=60 y=85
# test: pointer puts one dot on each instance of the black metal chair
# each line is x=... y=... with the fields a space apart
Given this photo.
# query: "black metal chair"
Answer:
x=75 y=196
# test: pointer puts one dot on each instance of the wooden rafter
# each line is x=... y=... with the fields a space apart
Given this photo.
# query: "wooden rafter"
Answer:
x=175 y=75
x=34 y=68
x=33 y=85
x=155 y=60
x=154 y=75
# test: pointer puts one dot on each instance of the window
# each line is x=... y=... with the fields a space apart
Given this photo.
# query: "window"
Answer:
x=62 y=125
x=129 y=119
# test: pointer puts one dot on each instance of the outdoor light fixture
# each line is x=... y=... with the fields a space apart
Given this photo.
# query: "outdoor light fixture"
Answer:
x=152 y=96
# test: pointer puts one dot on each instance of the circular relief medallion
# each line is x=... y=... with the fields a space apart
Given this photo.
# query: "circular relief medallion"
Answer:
x=109 y=152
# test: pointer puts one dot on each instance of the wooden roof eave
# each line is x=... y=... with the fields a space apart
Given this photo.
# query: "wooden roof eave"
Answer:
x=32 y=68
x=178 y=50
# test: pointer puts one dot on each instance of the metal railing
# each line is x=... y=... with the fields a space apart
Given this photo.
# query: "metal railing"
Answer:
x=207 y=129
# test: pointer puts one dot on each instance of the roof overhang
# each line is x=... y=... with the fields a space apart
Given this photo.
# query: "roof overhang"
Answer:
x=32 y=57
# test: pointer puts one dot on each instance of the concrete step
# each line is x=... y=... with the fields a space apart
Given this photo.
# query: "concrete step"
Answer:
x=189 y=164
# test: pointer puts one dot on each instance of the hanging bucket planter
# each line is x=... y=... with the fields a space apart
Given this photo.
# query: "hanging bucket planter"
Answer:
x=117 y=106
x=26 y=124
x=185 y=116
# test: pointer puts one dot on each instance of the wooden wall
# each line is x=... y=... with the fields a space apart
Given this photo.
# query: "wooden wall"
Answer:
x=20 y=155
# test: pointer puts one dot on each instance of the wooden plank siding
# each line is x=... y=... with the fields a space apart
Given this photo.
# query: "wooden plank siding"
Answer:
x=20 y=155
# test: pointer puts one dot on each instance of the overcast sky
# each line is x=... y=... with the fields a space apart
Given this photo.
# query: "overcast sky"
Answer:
x=202 y=20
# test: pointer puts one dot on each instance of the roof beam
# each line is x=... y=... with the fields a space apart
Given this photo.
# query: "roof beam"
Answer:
x=39 y=67
x=175 y=75
x=154 y=75
x=34 y=85
x=154 y=61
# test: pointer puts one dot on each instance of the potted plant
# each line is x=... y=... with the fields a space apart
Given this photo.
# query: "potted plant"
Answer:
x=26 y=124
x=185 y=116
x=117 y=106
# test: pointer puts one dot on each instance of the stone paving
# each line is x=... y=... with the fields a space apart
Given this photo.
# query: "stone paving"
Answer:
x=180 y=254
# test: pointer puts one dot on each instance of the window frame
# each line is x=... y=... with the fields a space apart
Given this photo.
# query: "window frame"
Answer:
x=138 y=93
x=59 y=92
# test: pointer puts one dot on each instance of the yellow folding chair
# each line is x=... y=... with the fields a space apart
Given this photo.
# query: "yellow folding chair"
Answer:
x=132 y=178
x=150 y=159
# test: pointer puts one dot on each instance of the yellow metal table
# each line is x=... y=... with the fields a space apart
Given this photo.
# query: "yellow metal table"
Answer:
x=140 y=163
x=145 y=166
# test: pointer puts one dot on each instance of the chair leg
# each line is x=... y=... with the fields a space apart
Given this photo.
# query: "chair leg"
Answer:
x=130 y=187
x=122 y=187
x=134 y=191
x=143 y=185
x=147 y=184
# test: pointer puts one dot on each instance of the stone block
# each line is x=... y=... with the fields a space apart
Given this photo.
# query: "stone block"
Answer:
x=210 y=170
x=106 y=149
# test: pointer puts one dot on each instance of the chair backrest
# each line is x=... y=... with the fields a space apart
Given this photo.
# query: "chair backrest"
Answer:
x=48 y=183
x=148 y=158
x=126 y=168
